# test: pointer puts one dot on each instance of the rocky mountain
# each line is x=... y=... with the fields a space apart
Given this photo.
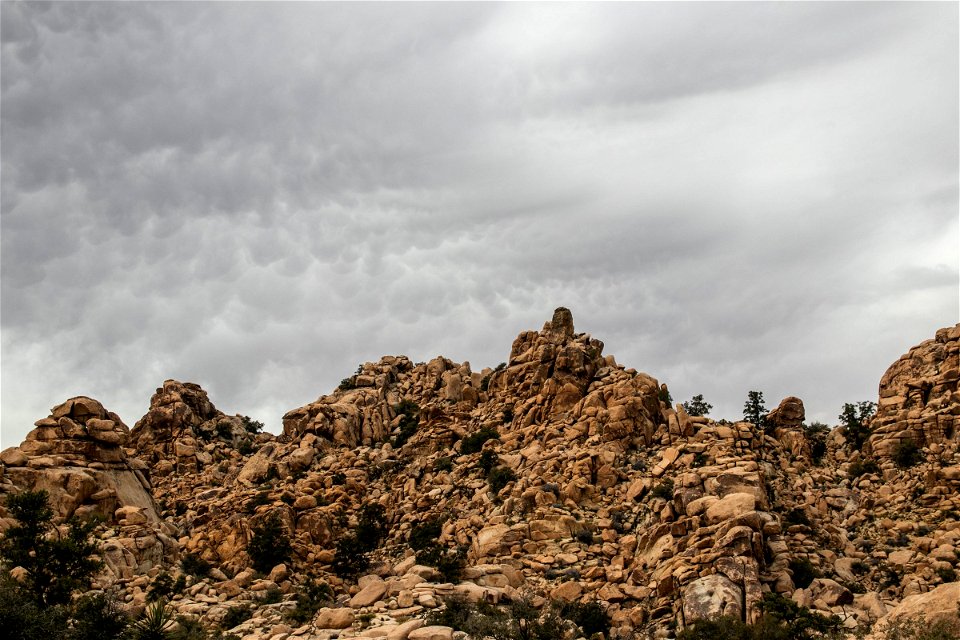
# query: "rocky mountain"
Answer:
x=560 y=476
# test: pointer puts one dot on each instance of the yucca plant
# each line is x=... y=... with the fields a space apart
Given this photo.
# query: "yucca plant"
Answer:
x=154 y=624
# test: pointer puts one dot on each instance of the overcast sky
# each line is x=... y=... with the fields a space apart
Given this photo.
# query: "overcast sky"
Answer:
x=256 y=197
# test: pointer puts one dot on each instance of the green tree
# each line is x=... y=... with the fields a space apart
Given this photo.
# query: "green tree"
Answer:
x=269 y=545
x=753 y=409
x=696 y=406
x=56 y=564
x=854 y=418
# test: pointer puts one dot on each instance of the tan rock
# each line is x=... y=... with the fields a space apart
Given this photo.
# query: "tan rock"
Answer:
x=333 y=618
x=431 y=633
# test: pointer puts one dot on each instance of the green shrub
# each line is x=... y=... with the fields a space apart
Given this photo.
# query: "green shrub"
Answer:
x=443 y=464
x=947 y=574
x=236 y=616
x=272 y=595
x=507 y=415
x=269 y=544
x=449 y=563
x=906 y=454
x=350 y=557
x=797 y=516
x=488 y=460
x=664 y=490
x=56 y=566
x=188 y=629
x=193 y=565
x=164 y=586
x=409 y=413
x=96 y=616
x=499 y=478
x=859 y=468
x=311 y=596
x=591 y=617
x=803 y=572
x=156 y=623
x=474 y=442
x=919 y=628
x=251 y=425
x=425 y=533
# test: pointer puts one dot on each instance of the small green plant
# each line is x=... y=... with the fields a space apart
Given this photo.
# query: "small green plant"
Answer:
x=193 y=565
x=164 y=586
x=269 y=543
x=499 y=478
x=449 y=563
x=699 y=459
x=425 y=533
x=444 y=463
x=907 y=454
x=947 y=574
x=188 y=629
x=409 y=413
x=474 y=442
x=272 y=595
x=156 y=623
x=859 y=468
x=348 y=383
x=311 y=596
x=664 y=490
x=664 y=395
x=507 y=415
x=235 y=616
x=488 y=460
x=797 y=516
x=803 y=572
x=350 y=557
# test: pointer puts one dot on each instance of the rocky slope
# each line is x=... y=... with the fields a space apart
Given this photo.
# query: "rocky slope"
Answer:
x=560 y=474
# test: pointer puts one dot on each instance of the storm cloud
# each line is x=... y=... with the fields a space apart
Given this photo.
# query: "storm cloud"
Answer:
x=258 y=196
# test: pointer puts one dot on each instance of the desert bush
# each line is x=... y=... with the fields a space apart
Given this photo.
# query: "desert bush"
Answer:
x=311 y=596
x=499 y=478
x=156 y=623
x=424 y=534
x=350 y=557
x=444 y=463
x=409 y=413
x=664 y=490
x=164 y=586
x=449 y=563
x=803 y=572
x=474 y=442
x=236 y=616
x=906 y=454
x=919 y=628
x=863 y=467
x=270 y=544
x=193 y=565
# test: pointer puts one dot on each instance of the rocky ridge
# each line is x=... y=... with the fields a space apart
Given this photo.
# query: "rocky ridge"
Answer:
x=604 y=492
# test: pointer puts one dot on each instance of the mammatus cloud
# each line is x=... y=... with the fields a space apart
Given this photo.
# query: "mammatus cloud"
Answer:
x=257 y=197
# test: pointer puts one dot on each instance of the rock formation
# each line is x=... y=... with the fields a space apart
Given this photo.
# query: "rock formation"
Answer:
x=559 y=474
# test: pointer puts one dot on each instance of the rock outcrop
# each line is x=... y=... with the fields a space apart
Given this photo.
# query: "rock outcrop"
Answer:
x=558 y=474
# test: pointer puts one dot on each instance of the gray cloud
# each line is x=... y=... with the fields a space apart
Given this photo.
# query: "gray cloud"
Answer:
x=257 y=196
